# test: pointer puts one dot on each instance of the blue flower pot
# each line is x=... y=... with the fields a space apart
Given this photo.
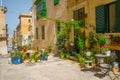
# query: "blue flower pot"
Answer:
x=17 y=60
x=73 y=52
x=44 y=57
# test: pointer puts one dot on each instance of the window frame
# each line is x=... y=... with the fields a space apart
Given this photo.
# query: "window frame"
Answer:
x=107 y=16
x=43 y=32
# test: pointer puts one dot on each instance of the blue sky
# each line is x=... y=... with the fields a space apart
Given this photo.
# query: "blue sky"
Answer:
x=14 y=9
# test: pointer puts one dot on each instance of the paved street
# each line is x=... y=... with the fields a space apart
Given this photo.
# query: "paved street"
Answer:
x=53 y=69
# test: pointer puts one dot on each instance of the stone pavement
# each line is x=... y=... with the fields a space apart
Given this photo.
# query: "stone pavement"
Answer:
x=53 y=69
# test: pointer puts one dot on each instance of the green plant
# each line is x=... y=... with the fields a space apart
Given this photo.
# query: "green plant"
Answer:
x=114 y=38
x=62 y=55
x=67 y=55
x=16 y=54
x=25 y=56
x=81 y=43
x=49 y=48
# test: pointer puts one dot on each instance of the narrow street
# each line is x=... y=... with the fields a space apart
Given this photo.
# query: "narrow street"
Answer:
x=53 y=69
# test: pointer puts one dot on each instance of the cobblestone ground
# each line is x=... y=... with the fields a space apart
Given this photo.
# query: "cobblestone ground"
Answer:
x=53 y=69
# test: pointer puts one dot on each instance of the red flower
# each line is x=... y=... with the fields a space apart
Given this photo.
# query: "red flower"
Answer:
x=105 y=46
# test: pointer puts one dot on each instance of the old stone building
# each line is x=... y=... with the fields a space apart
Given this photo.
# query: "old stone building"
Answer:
x=3 y=31
x=46 y=29
x=23 y=30
x=100 y=16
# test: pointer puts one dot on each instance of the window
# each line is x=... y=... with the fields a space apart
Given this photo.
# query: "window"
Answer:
x=29 y=37
x=29 y=20
x=56 y=2
x=36 y=33
x=29 y=28
x=79 y=14
x=106 y=18
x=43 y=32
x=41 y=9
x=58 y=27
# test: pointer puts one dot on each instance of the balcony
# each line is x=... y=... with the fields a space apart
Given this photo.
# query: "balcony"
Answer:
x=3 y=36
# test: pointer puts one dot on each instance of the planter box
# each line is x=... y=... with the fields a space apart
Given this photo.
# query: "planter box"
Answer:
x=16 y=60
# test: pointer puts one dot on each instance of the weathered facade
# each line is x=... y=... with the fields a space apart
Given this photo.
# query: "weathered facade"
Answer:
x=23 y=30
x=101 y=16
x=9 y=44
x=46 y=27
x=3 y=31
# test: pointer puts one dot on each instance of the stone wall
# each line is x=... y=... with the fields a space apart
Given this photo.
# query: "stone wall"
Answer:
x=3 y=47
x=58 y=11
x=3 y=31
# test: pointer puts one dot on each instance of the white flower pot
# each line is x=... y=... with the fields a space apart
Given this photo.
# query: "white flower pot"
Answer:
x=100 y=60
x=108 y=53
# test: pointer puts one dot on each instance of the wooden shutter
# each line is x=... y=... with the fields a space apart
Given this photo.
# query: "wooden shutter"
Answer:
x=118 y=15
x=101 y=24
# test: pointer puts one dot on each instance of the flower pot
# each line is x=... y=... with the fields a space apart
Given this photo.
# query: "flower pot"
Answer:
x=44 y=57
x=17 y=60
x=100 y=60
x=74 y=53
x=107 y=53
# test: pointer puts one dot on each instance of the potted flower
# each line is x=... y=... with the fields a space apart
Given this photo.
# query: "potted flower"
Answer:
x=114 y=39
x=44 y=55
x=106 y=50
x=16 y=57
x=49 y=48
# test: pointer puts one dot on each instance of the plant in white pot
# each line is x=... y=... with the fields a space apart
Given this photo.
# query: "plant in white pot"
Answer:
x=106 y=50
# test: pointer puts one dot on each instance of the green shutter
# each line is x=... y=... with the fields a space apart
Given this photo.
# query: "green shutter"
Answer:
x=56 y=2
x=101 y=26
x=118 y=15
x=41 y=9
x=43 y=14
x=37 y=2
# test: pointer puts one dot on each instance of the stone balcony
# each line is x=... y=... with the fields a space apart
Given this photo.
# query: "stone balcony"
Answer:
x=3 y=36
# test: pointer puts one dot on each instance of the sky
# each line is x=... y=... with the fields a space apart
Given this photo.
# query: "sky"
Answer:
x=14 y=9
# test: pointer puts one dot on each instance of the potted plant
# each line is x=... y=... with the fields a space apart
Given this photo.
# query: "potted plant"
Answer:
x=81 y=60
x=106 y=50
x=62 y=55
x=115 y=39
x=49 y=48
x=44 y=55
x=25 y=57
x=67 y=55
x=16 y=57
x=89 y=59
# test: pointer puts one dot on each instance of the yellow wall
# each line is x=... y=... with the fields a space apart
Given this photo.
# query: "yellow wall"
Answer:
x=25 y=24
x=3 y=20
